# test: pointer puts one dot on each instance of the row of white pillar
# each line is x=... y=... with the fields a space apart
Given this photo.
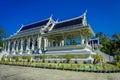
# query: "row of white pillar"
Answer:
x=16 y=45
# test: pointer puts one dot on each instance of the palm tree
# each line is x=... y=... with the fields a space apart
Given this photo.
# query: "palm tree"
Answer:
x=97 y=58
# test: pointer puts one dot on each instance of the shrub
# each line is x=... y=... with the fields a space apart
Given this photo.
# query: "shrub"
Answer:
x=8 y=58
x=68 y=57
x=16 y=58
x=43 y=58
x=97 y=58
x=3 y=58
x=118 y=64
x=118 y=58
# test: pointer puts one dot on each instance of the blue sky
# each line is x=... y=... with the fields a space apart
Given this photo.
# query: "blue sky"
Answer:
x=102 y=15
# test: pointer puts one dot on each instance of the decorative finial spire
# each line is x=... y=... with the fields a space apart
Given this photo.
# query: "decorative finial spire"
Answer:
x=85 y=13
x=57 y=20
x=22 y=25
x=20 y=28
x=51 y=16
x=84 y=18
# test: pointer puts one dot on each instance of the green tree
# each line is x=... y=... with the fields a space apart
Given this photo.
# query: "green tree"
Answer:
x=2 y=36
x=111 y=44
x=100 y=35
x=116 y=36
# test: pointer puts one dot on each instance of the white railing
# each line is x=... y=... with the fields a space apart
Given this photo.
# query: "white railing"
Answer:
x=67 y=47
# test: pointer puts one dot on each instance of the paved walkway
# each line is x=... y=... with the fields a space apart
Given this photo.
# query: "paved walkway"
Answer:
x=27 y=73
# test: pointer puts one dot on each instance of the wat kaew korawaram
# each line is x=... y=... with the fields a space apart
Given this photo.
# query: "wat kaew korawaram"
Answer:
x=53 y=38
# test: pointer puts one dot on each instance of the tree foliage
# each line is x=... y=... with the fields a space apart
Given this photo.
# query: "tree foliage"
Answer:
x=43 y=58
x=111 y=44
x=2 y=36
x=68 y=57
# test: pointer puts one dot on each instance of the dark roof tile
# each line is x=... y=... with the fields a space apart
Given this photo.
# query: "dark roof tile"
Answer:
x=37 y=24
x=68 y=23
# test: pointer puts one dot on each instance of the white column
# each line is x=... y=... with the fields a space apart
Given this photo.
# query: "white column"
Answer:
x=82 y=39
x=45 y=43
x=21 y=46
x=17 y=45
x=13 y=48
x=51 y=42
x=86 y=40
x=28 y=45
x=33 y=43
x=8 y=46
x=39 y=44
x=64 y=40
x=5 y=46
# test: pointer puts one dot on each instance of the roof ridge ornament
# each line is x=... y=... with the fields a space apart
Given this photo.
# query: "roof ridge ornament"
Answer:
x=20 y=28
x=57 y=20
x=84 y=18
x=51 y=16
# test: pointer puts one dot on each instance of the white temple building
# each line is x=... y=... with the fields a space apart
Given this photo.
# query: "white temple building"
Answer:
x=53 y=38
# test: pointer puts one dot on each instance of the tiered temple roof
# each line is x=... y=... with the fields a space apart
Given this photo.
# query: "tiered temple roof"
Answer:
x=36 y=27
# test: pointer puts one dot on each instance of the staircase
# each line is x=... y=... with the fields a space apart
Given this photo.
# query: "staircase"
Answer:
x=105 y=56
